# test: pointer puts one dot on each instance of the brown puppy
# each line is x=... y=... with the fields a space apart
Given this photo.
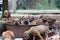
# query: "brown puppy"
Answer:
x=37 y=30
x=24 y=18
x=8 y=35
x=33 y=22
x=37 y=22
x=6 y=13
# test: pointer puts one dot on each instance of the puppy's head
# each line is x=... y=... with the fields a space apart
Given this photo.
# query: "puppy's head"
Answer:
x=7 y=35
x=26 y=35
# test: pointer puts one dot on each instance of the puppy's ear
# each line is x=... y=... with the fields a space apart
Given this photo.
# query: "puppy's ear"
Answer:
x=47 y=16
x=12 y=34
x=3 y=35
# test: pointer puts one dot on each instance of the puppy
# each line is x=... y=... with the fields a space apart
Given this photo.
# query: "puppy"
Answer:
x=33 y=22
x=37 y=30
x=17 y=21
x=25 y=19
x=8 y=35
x=55 y=37
x=37 y=22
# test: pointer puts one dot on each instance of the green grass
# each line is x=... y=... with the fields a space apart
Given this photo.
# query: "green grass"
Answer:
x=43 y=4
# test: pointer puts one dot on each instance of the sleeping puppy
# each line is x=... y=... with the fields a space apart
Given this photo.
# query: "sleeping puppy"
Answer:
x=37 y=30
x=37 y=22
x=8 y=35
x=33 y=22
x=55 y=37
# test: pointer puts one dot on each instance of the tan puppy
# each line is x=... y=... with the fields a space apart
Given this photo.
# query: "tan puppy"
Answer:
x=33 y=22
x=24 y=17
x=37 y=22
x=55 y=37
x=37 y=30
x=6 y=12
x=8 y=35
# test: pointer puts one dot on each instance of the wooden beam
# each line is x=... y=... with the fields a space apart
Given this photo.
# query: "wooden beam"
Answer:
x=14 y=6
x=5 y=5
